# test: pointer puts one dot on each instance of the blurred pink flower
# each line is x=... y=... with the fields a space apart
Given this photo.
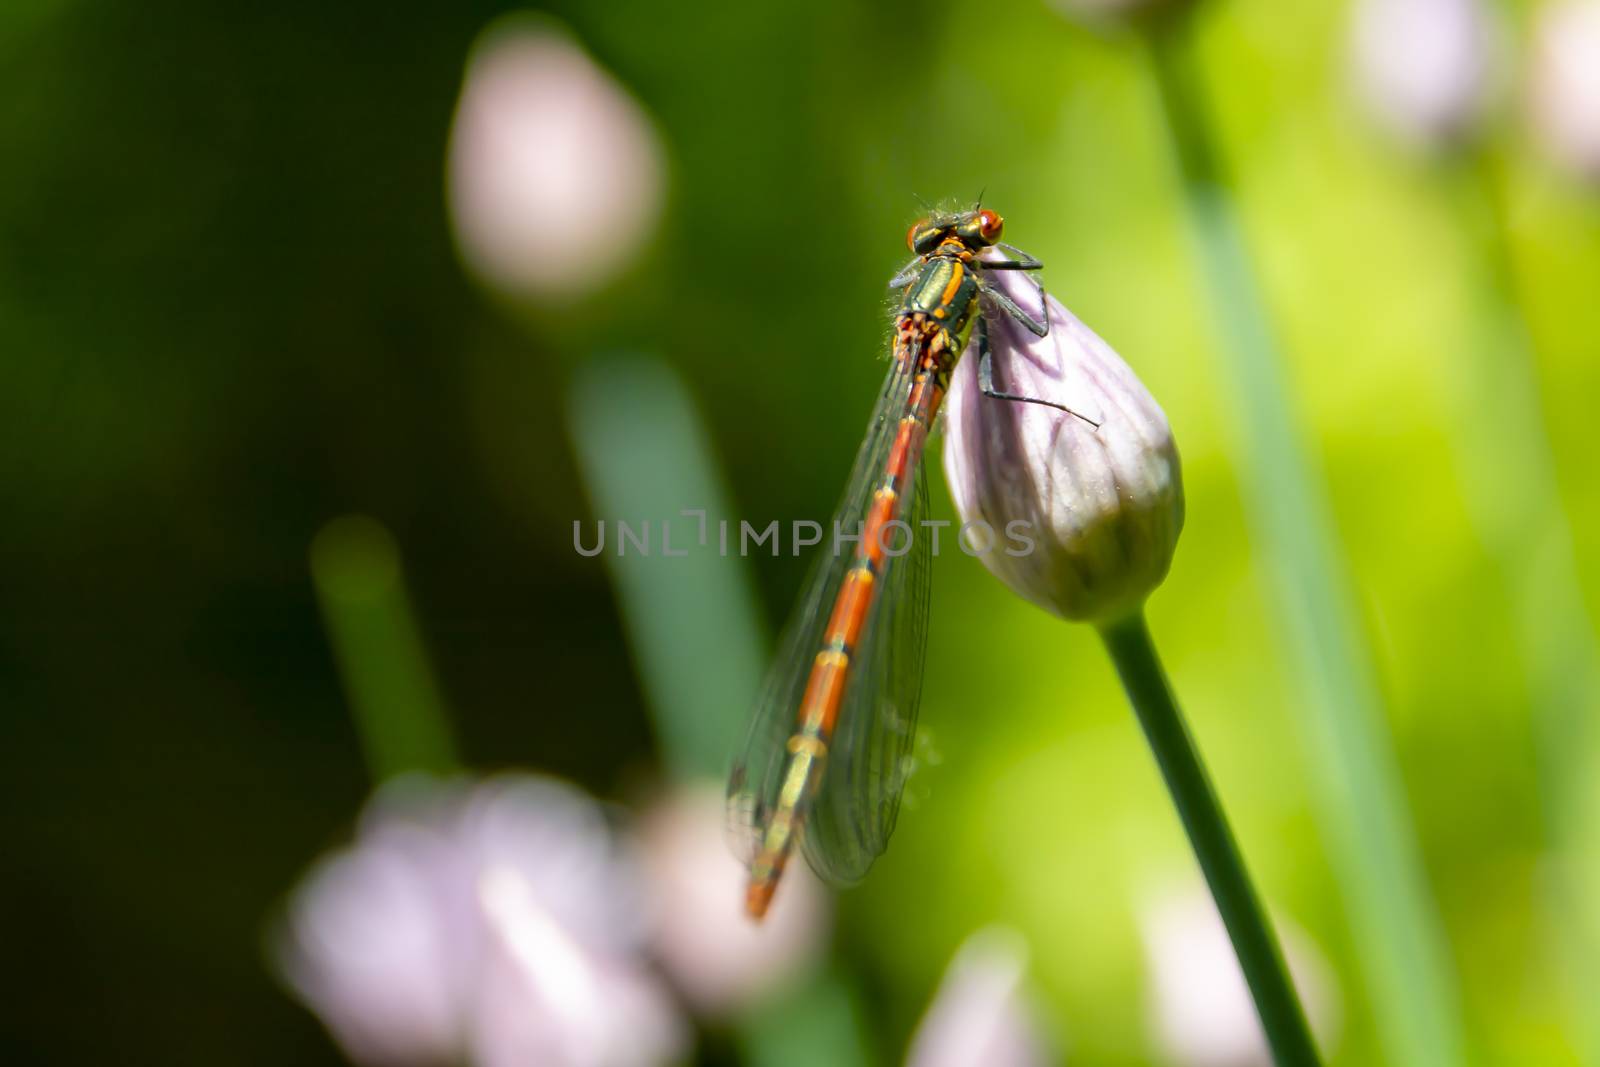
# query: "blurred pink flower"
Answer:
x=546 y=998
x=983 y=1012
x=718 y=959
x=1426 y=67
x=494 y=923
x=1200 y=1007
x=555 y=171
x=1102 y=506
x=1566 y=83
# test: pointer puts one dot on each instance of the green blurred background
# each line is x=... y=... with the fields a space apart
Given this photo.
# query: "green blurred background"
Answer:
x=231 y=310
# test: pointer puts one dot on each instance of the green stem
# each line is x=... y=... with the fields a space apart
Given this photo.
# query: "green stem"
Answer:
x=695 y=632
x=1512 y=488
x=1359 y=797
x=1260 y=958
x=817 y=1021
x=398 y=711
x=690 y=611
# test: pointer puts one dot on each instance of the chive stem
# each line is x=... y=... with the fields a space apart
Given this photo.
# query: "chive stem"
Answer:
x=1282 y=1017
x=1514 y=494
x=1358 y=794
x=398 y=710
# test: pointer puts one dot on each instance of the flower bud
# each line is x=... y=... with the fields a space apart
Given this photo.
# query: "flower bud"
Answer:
x=1425 y=67
x=1566 y=84
x=984 y=1010
x=493 y=923
x=555 y=171
x=1091 y=514
x=720 y=961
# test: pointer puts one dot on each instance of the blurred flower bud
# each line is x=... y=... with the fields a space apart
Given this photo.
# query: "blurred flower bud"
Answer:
x=1425 y=67
x=1200 y=1007
x=719 y=959
x=1566 y=83
x=369 y=950
x=983 y=1012
x=555 y=171
x=1090 y=515
x=492 y=924
x=546 y=998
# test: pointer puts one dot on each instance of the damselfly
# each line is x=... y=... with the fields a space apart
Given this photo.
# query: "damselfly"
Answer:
x=828 y=750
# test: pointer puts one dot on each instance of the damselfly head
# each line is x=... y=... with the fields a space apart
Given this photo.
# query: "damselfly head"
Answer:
x=923 y=236
x=977 y=229
x=981 y=228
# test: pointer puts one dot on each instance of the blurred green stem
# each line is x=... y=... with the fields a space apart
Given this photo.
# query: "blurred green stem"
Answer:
x=1260 y=958
x=814 y=1022
x=1359 y=797
x=356 y=568
x=694 y=629
x=1509 y=473
x=688 y=606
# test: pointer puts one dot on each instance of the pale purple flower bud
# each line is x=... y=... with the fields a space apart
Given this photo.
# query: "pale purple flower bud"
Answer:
x=555 y=171
x=717 y=958
x=1566 y=83
x=546 y=997
x=490 y=924
x=1084 y=519
x=1426 y=67
x=984 y=1012
x=372 y=948
x=1200 y=1006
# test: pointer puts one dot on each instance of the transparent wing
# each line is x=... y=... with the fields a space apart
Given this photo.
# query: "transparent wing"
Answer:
x=870 y=757
x=757 y=773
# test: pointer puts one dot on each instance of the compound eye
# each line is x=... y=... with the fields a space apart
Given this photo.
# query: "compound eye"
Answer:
x=911 y=234
x=990 y=224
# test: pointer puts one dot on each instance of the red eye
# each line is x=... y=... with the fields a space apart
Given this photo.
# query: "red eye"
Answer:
x=989 y=224
x=911 y=234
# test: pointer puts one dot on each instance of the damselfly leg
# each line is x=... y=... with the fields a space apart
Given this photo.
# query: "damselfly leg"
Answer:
x=1040 y=327
x=906 y=274
x=986 y=378
x=1023 y=261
